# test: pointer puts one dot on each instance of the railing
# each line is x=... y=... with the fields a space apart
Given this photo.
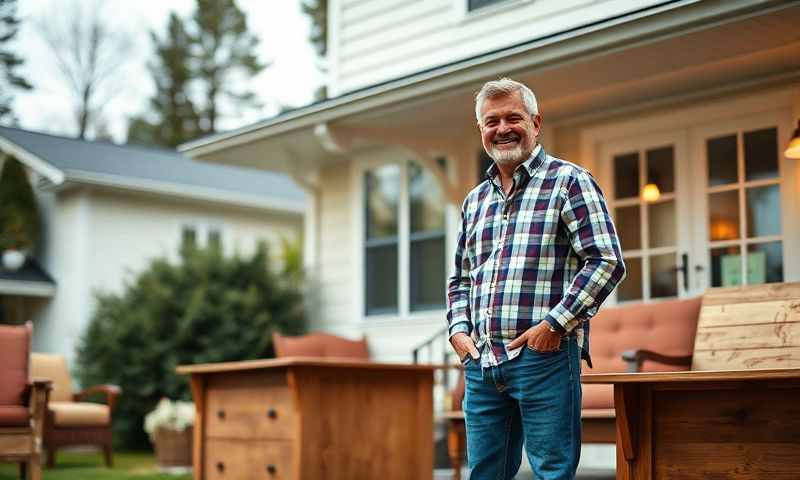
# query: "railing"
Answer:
x=428 y=345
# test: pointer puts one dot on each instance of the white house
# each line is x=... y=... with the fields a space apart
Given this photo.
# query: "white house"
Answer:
x=699 y=98
x=107 y=210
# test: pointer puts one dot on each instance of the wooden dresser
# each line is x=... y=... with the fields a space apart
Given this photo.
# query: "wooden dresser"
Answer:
x=311 y=418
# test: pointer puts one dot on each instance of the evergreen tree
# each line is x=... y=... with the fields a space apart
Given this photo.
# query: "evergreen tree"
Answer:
x=225 y=48
x=9 y=61
x=175 y=117
x=19 y=215
x=317 y=12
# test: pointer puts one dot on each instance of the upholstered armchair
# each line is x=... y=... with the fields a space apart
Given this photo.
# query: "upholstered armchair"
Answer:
x=70 y=420
x=22 y=403
x=320 y=345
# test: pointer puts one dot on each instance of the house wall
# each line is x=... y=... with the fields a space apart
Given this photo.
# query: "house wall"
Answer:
x=371 y=41
x=103 y=238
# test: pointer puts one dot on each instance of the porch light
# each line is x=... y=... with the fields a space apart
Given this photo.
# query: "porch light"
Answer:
x=651 y=193
x=793 y=150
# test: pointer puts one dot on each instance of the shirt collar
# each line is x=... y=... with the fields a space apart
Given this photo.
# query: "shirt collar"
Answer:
x=530 y=165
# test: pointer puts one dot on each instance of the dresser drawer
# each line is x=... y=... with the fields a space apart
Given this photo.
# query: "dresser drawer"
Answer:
x=249 y=405
x=250 y=460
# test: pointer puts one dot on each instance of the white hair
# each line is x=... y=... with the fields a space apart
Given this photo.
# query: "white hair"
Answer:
x=502 y=88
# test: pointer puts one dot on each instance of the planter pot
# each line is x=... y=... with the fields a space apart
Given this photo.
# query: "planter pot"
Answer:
x=174 y=449
x=13 y=260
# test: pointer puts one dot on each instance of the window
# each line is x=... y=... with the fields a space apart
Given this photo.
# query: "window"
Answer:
x=476 y=4
x=395 y=247
x=201 y=235
x=745 y=240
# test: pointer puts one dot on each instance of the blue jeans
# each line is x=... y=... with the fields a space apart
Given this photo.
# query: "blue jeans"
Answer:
x=534 y=398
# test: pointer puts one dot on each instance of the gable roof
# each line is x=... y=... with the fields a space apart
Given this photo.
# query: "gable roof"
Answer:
x=63 y=160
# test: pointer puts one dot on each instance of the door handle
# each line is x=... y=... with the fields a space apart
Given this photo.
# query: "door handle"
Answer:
x=684 y=269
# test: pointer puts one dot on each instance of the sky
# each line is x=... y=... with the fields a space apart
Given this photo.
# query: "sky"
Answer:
x=289 y=80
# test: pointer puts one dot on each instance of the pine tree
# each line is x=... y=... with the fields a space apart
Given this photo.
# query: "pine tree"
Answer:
x=19 y=215
x=175 y=117
x=9 y=61
x=225 y=48
x=317 y=12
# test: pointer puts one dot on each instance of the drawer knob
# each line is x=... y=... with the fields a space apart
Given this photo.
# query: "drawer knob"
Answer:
x=272 y=413
x=221 y=414
x=220 y=467
x=271 y=469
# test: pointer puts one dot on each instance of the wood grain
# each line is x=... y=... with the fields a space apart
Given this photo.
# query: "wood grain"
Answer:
x=788 y=357
x=16 y=444
x=689 y=377
x=199 y=396
x=251 y=404
x=331 y=362
x=752 y=293
x=249 y=459
x=756 y=313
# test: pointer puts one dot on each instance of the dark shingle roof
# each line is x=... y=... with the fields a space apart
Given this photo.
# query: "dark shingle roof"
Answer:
x=153 y=164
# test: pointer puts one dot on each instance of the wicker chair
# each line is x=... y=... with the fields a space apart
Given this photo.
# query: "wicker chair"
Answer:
x=70 y=420
x=22 y=403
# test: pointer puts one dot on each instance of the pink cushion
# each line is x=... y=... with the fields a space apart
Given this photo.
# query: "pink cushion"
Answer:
x=14 y=348
x=14 y=416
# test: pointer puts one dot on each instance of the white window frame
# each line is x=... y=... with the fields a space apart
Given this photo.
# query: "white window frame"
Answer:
x=404 y=312
x=463 y=13
x=203 y=229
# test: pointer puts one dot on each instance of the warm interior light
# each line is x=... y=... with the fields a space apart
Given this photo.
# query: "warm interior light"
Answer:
x=651 y=193
x=793 y=150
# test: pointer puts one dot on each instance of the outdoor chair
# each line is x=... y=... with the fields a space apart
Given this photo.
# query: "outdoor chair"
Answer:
x=22 y=403
x=320 y=345
x=70 y=420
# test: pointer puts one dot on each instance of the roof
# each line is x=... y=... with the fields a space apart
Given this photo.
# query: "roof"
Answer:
x=149 y=168
x=29 y=280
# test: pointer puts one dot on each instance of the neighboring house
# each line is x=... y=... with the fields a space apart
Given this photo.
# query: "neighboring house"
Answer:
x=699 y=98
x=108 y=210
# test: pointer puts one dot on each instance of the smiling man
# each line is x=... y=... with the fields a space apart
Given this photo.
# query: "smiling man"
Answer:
x=537 y=254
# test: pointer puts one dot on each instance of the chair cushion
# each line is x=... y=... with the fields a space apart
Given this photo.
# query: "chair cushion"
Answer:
x=14 y=349
x=79 y=414
x=597 y=396
x=667 y=327
x=14 y=416
x=53 y=368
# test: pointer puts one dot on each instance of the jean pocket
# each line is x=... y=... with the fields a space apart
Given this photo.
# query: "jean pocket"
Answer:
x=539 y=352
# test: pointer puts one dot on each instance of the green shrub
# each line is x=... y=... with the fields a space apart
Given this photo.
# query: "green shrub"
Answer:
x=206 y=308
x=19 y=215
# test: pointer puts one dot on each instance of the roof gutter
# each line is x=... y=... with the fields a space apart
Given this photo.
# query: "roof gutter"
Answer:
x=621 y=32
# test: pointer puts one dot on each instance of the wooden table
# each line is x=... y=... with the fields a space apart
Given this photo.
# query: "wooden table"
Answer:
x=311 y=418
x=739 y=425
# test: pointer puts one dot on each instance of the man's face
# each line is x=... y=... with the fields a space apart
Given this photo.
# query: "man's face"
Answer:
x=507 y=130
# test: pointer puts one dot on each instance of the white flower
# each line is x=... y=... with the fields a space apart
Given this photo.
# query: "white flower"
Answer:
x=169 y=415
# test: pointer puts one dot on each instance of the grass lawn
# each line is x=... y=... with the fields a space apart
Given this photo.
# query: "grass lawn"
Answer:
x=89 y=466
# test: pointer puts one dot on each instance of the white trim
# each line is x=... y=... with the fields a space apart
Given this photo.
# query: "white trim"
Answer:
x=182 y=190
x=26 y=288
x=40 y=166
x=631 y=30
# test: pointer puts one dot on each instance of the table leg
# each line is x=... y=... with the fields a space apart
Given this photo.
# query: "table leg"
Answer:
x=456 y=440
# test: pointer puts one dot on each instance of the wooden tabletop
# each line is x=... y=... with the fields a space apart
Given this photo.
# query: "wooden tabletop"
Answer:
x=300 y=362
x=696 y=376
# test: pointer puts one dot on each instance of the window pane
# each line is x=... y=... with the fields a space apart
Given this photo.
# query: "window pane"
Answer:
x=661 y=169
x=723 y=213
x=628 y=222
x=761 y=154
x=726 y=267
x=626 y=175
x=765 y=263
x=381 y=279
x=631 y=287
x=427 y=203
x=763 y=211
x=662 y=224
x=427 y=273
x=475 y=4
x=189 y=236
x=722 y=160
x=663 y=277
x=215 y=239
x=382 y=196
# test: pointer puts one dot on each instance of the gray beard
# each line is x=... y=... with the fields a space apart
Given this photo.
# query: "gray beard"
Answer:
x=509 y=157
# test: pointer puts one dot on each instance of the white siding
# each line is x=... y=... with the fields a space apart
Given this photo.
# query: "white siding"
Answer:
x=100 y=240
x=377 y=40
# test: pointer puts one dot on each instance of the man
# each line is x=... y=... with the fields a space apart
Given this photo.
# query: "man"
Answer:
x=537 y=254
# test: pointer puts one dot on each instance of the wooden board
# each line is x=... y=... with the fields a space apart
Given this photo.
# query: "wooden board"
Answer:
x=749 y=327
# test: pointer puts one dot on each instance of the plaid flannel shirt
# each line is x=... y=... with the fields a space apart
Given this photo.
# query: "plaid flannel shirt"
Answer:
x=548 y=251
